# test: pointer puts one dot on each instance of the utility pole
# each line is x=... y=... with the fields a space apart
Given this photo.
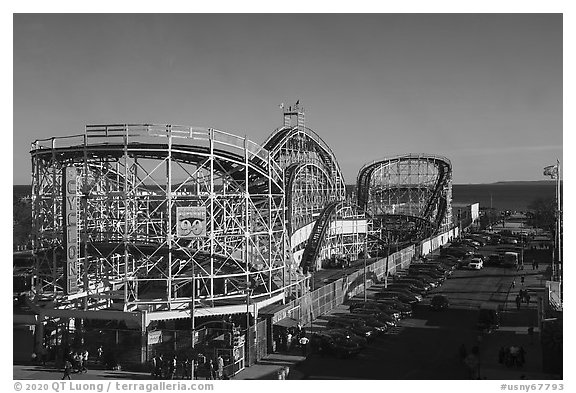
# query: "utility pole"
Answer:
x=365 y=251
x=248 y=327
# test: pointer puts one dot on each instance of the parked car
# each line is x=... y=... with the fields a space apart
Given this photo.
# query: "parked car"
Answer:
x=375 y=307
x=475 y=264
x=402 y=292
x=453 y=251
x=336 y=343
x=406 y=286
x=489 y=317
x=428 y=271
x=404 y=308
x=433 y=282
x=494 y=260
x=349 y=334
x=471 y=242
x=407 y=299
x=439 y=302
x=417 y=282
x=386 y=318
x=356 y=326
x=439 y=267
x=477 y=238
x=369 y=320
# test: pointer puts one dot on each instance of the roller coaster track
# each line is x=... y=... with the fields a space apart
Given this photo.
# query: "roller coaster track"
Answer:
x=281 y=136
x=393 y=246
x=134 y=162
x=290 y=175
x=437 y=200
x=318 y=233
x=231 y=163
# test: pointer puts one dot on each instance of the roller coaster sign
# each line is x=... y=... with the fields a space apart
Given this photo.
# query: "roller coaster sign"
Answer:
x=71 y=229
x=191 y=222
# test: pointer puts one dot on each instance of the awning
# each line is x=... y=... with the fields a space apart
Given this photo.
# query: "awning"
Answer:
x=287 y=322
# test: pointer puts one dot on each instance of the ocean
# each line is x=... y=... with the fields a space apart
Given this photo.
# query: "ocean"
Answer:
x=514 y=196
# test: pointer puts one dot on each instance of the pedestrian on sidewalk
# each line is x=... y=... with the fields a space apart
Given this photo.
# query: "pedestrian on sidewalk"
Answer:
x=100 y=352
x=521 y=357
x=513 y=285
x=220 y=365
x=67 y=370
x=522 y=280
x=304 y=345
x=185 y=366
x=533 y=264
x=527 y=298
x=531 y=334
x=518 y=301
x=537 y=265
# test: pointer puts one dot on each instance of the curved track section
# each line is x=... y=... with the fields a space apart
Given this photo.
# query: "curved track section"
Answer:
x=313 y=177
x=312 y=250
x=308 y=187
x=408 y=196
x=135 y=187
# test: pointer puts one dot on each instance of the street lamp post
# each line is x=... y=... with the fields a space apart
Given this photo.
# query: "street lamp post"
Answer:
x=365 y=251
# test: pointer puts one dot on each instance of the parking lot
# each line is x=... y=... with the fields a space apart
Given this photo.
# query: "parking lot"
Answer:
x=426 y=345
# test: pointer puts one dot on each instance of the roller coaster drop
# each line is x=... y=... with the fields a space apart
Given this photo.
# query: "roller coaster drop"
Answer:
x=141 y=216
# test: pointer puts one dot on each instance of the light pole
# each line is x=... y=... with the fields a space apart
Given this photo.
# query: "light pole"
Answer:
x=365 y=251
x=248 y=294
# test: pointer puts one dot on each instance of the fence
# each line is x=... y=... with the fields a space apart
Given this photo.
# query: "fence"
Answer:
x=257 y=342
x=320 y=301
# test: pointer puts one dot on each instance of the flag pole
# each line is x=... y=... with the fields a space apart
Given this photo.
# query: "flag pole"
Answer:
x=558 y=220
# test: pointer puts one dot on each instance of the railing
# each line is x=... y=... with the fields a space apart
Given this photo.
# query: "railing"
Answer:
x=138 y=133
x=410 y=156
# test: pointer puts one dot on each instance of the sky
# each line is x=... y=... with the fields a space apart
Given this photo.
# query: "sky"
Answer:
x=483 y=90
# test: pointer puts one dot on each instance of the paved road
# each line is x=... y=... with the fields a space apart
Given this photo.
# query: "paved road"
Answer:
x=471 y=288
x=426 y=346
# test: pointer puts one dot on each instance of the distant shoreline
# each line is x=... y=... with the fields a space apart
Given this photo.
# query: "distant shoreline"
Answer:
x=513 y=195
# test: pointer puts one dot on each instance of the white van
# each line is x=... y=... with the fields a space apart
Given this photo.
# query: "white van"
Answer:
x=510 y=259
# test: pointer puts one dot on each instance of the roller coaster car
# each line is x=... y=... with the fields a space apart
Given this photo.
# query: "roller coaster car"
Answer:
x=337 y=262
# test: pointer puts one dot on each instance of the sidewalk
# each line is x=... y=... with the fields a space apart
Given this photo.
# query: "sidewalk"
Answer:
x=271 y=366
x=514 y=331
x=38 y=372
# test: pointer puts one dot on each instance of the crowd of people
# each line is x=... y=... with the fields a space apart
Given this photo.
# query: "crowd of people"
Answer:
x=512 y=356
x=523 y=296
x=173 y=367
x=290 y=338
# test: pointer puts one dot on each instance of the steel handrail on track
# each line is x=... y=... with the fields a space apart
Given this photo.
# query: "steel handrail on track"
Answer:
x=131 y=134
x=367 y=170
x=444 y=168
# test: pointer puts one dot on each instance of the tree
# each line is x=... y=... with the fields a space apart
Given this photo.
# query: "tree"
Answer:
x=22 y=222
x=542 y=213
x=488 y=217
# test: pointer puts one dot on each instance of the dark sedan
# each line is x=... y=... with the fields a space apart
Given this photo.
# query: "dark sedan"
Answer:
x=336 y=343
x=439 y=302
